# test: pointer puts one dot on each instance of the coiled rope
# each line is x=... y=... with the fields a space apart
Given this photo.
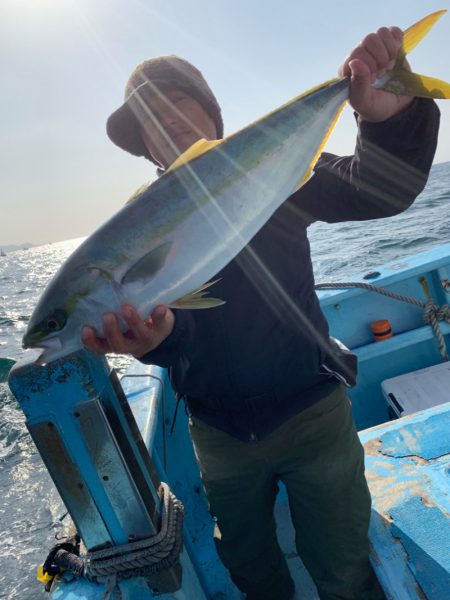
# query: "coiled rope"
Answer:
x=142 y=558
x=432 y=313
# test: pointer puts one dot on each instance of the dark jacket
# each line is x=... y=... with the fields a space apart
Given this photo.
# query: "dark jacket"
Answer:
x=247 y=366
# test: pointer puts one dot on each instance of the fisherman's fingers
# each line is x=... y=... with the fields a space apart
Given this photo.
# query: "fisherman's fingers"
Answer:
x=93 y=342
x=378 y=51
x=374 y=47
x=118 y=343
x=392 y=38
x=148 y=333
x=143 y=335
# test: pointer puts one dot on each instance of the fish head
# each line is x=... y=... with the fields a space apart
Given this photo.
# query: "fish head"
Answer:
x=56 y=322
x=54 y=328
x=44 y=331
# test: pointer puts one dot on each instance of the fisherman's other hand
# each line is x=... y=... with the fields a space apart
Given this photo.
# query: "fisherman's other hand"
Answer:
x=142 y=336
x=375 y=55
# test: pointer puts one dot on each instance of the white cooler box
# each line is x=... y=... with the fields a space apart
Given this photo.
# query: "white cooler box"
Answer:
x=411 y=392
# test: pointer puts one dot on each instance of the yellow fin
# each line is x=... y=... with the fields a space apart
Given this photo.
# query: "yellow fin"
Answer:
x=196 y=303
x=414 y=34
x=138 y=192
x=196 y=299
x=412 y=84
x=403 y=82
x=322 y=144
x=197 y=149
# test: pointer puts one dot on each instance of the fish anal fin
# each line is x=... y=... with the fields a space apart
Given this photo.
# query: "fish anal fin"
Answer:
x=205 y=286
x=148 y=265
x=197 y=299
x=196 y=302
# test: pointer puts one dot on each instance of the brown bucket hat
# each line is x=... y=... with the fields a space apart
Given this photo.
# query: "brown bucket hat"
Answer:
x=158 y=74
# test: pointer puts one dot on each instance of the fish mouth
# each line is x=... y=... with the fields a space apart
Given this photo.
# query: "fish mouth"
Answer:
x=50 y=347
x=31 y=340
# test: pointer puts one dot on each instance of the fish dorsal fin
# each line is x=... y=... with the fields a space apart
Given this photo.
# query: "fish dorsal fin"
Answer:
x=414 y=34
x=197 y=149
x=148 y=265
x=141 y=189
x=196 y=299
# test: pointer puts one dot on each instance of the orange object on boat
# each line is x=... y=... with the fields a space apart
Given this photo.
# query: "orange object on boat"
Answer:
x=381 y=330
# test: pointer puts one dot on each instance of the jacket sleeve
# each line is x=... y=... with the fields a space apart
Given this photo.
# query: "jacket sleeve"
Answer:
x=388 y=171
x=168 y=351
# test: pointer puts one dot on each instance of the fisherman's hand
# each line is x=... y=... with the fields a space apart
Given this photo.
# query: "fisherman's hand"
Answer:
x=143 y=335
x=376 y=54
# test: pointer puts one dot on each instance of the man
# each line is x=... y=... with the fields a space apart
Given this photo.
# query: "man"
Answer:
x=256 y=379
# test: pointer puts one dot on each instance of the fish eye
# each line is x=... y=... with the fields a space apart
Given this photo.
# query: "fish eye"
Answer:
x=56 y=321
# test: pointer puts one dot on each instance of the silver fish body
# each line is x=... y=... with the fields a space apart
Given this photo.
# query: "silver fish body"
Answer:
x=186 y=226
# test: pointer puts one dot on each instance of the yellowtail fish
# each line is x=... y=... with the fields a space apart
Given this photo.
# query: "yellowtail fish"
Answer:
x=184 y=228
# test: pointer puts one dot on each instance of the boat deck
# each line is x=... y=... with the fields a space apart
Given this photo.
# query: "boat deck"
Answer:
x=408 y=469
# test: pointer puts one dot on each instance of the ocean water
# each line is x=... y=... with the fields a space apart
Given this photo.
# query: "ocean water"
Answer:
x=30 y=508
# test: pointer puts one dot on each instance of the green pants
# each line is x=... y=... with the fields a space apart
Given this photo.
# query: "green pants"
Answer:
x=318 y=456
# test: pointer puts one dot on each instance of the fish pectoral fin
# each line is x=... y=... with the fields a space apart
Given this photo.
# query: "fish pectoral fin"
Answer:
x=197 y=299
x=148 y=265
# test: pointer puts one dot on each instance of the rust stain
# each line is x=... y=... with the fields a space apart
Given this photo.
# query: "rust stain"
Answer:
x=418 y=460
x=426 y=501
x=373 y=447
x=388 y=492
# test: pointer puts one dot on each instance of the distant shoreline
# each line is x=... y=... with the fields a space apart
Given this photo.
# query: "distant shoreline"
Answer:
x=6 y=248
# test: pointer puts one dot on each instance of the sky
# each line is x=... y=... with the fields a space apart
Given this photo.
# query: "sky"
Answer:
x=64 y=65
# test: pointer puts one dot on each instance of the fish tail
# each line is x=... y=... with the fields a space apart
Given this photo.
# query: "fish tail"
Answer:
x=415 y=34
x=403 y=82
